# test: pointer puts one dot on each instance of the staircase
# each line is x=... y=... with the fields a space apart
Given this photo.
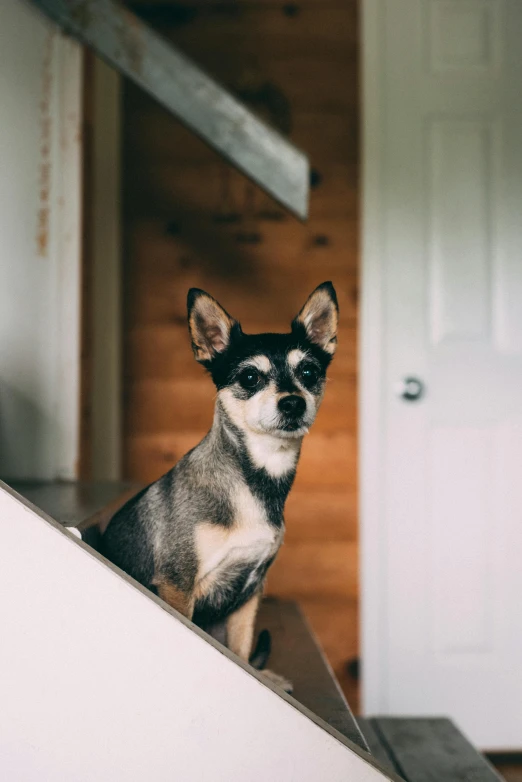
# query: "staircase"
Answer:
x=101 y=680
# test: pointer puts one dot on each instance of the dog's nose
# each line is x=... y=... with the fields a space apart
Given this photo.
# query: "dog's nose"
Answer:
x=292 y=405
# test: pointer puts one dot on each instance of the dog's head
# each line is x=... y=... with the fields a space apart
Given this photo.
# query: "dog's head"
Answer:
x=267 y=383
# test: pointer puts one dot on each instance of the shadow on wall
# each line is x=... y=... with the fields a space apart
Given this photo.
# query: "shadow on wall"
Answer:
x=27 y=433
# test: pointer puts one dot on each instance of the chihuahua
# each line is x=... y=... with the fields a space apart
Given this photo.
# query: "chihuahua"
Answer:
x=204 y=535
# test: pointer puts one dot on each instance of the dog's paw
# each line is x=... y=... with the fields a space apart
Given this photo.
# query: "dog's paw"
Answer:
x=278 y=680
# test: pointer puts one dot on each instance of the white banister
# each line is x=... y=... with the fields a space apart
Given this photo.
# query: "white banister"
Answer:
x=102 y=681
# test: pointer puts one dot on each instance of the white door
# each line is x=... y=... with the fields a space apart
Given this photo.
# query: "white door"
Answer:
x=441 y=512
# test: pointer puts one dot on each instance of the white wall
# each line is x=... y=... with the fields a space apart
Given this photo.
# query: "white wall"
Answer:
x=40 y=181
x=102 y=681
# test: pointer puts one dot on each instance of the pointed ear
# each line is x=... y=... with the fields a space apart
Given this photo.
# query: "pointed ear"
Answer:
x=319 y=318
x=210 y=325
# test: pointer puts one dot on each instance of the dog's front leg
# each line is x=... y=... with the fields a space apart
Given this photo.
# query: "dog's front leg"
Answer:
x=176 y=598
x=240 y=628
x=240 y=635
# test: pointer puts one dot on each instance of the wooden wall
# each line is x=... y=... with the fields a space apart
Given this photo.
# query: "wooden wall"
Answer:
x=192 y=221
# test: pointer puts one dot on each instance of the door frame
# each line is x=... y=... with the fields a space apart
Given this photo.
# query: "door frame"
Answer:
x=371 y=418
x=107 y=368
x=102 y=365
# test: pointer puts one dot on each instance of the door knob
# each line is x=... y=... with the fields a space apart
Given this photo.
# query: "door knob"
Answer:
x=410 y=389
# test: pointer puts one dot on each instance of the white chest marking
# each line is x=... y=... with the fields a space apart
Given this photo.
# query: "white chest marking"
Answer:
x=275 y=455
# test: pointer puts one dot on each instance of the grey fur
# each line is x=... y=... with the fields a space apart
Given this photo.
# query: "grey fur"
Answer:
x=153 y=534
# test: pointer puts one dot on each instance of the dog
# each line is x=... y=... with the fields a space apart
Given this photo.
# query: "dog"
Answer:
x=205 y=534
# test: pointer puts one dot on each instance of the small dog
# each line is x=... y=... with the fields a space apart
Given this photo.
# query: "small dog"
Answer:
x=205 y=534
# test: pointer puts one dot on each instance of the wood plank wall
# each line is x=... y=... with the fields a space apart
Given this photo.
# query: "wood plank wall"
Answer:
x=189 y=220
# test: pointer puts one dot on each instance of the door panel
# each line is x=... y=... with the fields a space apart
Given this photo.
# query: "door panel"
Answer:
x=445 y=535
x=460 y=219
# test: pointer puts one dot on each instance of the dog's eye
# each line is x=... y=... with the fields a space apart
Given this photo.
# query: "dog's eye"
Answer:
x=250 y=379
x=309 y=374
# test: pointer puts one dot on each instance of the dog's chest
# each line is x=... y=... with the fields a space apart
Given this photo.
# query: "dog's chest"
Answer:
x=226 y=554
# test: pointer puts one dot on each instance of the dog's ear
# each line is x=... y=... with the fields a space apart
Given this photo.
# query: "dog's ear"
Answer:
x=319 y=318
x=210 y=325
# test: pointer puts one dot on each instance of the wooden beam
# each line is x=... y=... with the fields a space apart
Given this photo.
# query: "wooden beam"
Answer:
x=126 y=43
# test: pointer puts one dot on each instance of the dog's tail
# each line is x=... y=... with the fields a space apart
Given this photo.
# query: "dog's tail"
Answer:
x=261 y=653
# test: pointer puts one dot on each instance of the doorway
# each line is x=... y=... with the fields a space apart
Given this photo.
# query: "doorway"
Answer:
x=190 y=220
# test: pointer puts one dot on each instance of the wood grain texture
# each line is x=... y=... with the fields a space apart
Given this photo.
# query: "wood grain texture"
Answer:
x=297 y=656
x=190 y=220
x=335 y=622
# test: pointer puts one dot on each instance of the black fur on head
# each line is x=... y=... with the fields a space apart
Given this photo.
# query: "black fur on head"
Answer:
x=220 y=344
x=283 y=374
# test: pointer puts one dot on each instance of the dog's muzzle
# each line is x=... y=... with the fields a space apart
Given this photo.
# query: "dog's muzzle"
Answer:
x=292 y=408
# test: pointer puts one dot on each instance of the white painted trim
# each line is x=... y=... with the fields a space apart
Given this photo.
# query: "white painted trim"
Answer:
x=68 y=200
x=106 y=390
x=371 y=435
x=106 y=681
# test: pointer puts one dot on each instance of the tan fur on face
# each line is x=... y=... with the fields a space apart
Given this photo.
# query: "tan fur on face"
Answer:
x=295 y=357
x=235 y=408
x=320 y=318
x=262 y=363
x=261 y=410
x=312 y=400
x=275 y=453
x=257 y=414
x=258 y=419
